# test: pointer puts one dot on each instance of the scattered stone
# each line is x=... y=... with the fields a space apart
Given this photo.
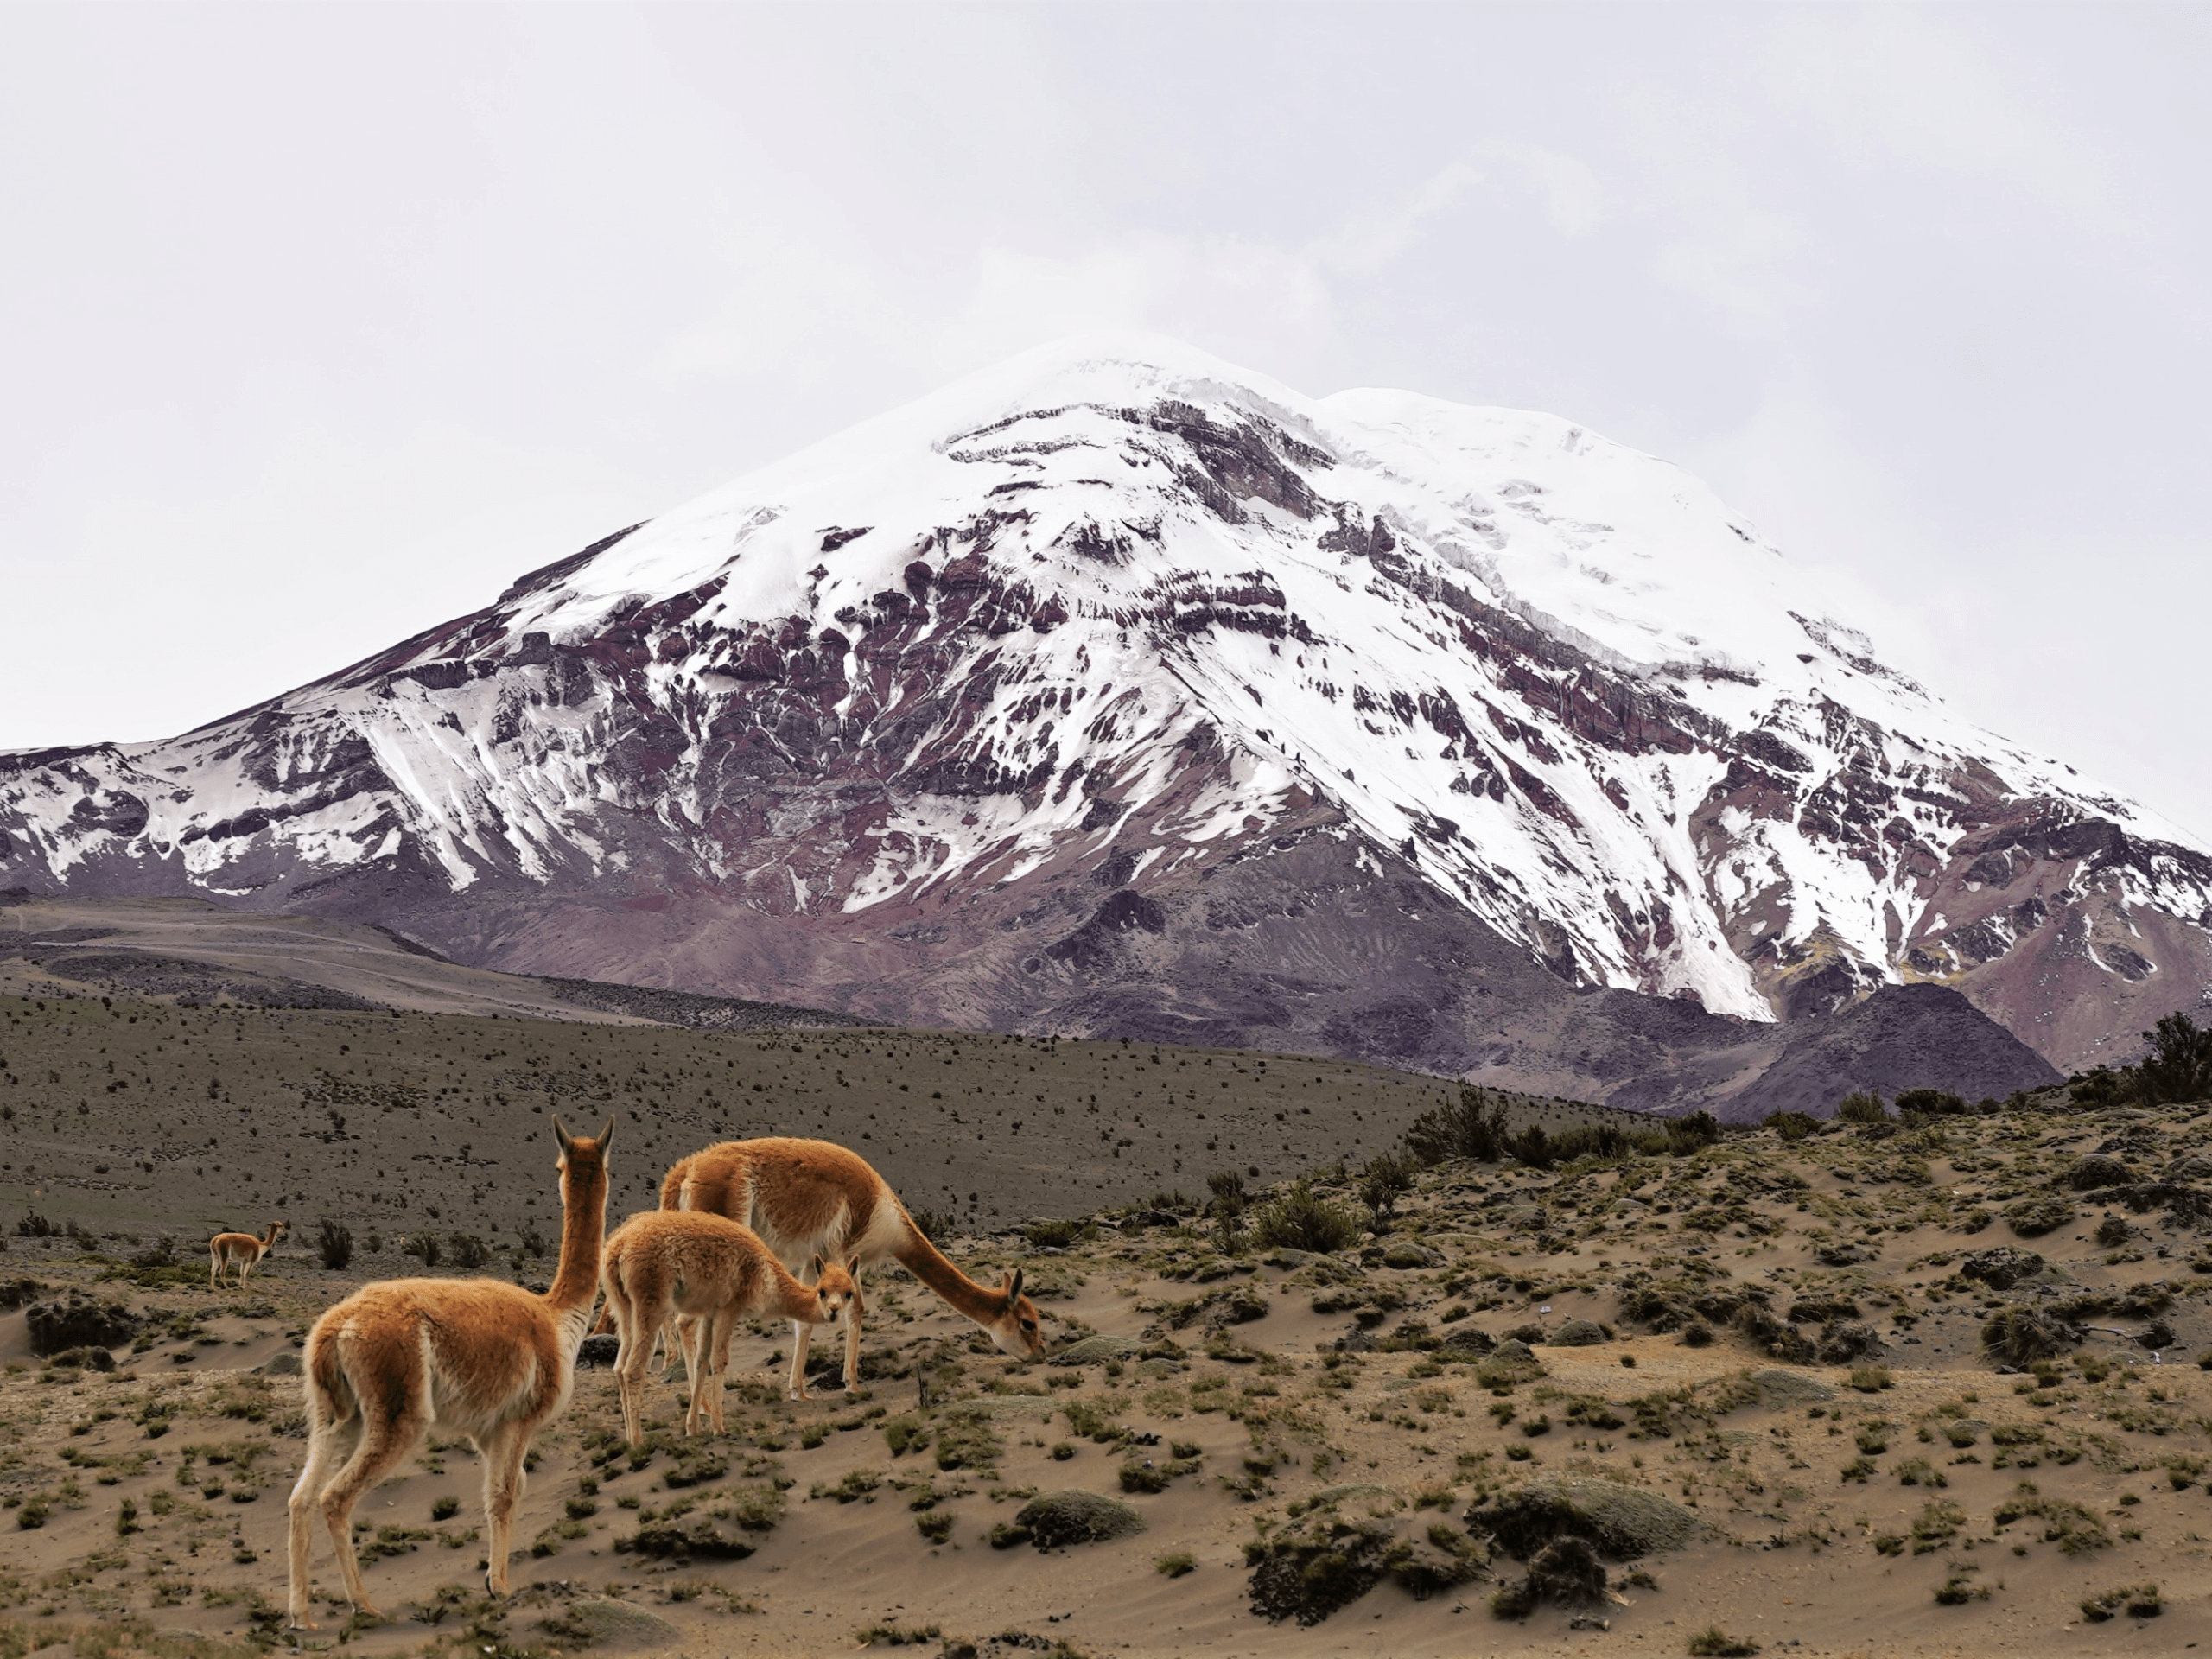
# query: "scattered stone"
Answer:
x=1785 y=1388
x=284 y=1364
x=603 y=1621
x=1467 y=1341
x=2096 y=1170
x=1322 y=1561
x=599 y=1350
x=1822 y=1310
x=1624 y=1522
x=2002 y=1268
x=1407 y=1254
x=1055 y=1520
x=1842 y=1255
x=2190 y=1167
x=1565 y=1572
x=89 y=1359
x=2032 y=1218
x=1581 y=1333
x=75 y=1320
x=1776 y=1335
x=1097 y=1349
x=1846 y=1341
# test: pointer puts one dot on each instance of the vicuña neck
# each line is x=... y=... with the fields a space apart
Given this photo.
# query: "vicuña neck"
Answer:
x=929 y=1264
x=796 y=1300
x=584 y=1230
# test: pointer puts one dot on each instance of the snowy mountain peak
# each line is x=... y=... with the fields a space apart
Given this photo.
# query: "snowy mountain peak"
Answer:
x=1118 y=611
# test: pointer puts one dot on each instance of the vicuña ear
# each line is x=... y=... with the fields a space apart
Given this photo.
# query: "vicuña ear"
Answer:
x=562 y=1136
x=1013 y=1288
x=815 y=1266
x=606 y=1137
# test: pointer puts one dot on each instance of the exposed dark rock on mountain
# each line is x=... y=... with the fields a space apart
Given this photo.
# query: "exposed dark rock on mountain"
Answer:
x=1119 y=692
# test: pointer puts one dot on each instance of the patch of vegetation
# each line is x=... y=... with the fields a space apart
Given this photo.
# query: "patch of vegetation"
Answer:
x=1300 y=1219
x=2073 y=1529
x=2136 y=1600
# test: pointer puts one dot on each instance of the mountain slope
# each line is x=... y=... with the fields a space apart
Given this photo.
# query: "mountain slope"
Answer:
x=1117 y=686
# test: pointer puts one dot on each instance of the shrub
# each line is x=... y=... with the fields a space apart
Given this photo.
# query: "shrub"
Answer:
x=1792 y=1127
x=1474 y=1126
x=1299 y=1219
x=1387 y=1178
x=1054 y=1234
x=1871 y=1379
x=2178 y=1066
x=1957 y=1589
x=2139 y=1600
x=1175 y=1563
x=2073 y=1529
x=334 y=1243
x=425 y=1249
x=1931 y=1102
x=1713 y=1642
x=1692 y=1134
x=933 y=1224
x=1862 y=1106
x=469 y=1252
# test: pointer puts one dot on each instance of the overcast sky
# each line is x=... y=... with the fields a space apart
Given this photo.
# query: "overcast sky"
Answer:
x=317 y=325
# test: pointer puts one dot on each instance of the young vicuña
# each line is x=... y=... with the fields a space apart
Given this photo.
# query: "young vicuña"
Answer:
x=490 y=1361
x=709 y=1272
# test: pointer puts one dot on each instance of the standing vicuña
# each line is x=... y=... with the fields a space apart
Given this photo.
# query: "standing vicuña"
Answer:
x=241 y=1250
x=491 y=1361
x=809 y=1198
x=711 y=1272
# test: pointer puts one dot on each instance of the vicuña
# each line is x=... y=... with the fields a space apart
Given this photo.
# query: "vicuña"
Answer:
x=809 y=1198
x=709 y=1272
x=491 y=1361
x=241 y=1250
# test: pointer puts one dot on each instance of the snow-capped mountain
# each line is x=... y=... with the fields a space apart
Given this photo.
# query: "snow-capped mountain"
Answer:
x=1119 y=689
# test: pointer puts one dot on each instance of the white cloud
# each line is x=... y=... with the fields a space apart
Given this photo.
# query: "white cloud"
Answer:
x=331 y=552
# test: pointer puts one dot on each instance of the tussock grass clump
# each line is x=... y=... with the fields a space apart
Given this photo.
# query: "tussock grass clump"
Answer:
x=2073 y=1529
x=2019 y=1336
x=1713 y=1642
x=2136 y=1600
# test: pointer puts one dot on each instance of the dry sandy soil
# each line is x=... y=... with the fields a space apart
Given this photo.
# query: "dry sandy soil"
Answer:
x=1320 y=1427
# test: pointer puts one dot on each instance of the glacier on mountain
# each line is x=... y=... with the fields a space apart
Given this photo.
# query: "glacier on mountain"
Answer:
x=1117 y=600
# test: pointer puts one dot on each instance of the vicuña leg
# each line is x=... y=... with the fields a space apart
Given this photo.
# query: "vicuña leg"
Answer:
x=502 y=1453
x=630 y=1377
x=387 y=1435
x=795 y=1388
x=327 y=1446
x=852 y=1339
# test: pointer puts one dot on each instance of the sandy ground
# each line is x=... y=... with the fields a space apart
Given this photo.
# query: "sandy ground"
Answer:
x=1272 y=1394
